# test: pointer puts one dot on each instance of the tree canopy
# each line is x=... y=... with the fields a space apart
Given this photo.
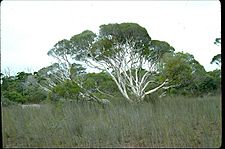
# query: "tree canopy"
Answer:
x=117 y=49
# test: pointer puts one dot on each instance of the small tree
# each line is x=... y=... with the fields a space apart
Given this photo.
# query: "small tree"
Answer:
x=189 y=75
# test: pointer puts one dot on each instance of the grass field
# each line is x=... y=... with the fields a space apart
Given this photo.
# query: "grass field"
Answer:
x=169 y=122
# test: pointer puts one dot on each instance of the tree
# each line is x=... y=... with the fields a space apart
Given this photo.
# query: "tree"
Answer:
x=217 y=41
x=67 y=90
x=122 y=50
x=22 y=88
x=14 y=96
x=177 y=68
x=217 y=58
x=49 y=77
x=189 y=75
x=216 y=75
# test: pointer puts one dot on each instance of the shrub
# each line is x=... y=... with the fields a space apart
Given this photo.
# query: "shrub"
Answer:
x=15 y=96
x=6 y=102
x=67 y=90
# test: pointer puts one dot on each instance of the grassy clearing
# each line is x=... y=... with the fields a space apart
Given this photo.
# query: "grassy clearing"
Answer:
x=170 y=122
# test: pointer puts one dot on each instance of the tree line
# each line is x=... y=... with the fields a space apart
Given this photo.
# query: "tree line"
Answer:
x=132 y=66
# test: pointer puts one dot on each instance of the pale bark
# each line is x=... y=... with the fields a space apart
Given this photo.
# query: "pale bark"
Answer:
x=120 y=67
x=125 y=68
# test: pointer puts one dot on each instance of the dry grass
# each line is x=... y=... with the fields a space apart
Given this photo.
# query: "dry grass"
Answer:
x=170 y=122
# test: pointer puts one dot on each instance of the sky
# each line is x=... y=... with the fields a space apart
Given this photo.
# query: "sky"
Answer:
x=29 y=29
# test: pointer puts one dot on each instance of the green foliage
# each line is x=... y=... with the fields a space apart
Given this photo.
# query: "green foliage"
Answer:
x=36 y=94
x=51 y=75
x=8 y=83
x=102 y=48
x=76 y=70
x=107 y=51
x=208 y=84
x=159 y=49
x=182 y=70
x=177 y=69
x=217 y=41
x=11 y=87
x=189 y=76
x=101 y=81
x=6 y=102
x=81 y=44
x=120 y=33
x=216 y=77
x=21 y=76
x=22 y=88
x=114 y=38
x=61 y=48
x=14 y=96
x=216 y=59
x=68 y=90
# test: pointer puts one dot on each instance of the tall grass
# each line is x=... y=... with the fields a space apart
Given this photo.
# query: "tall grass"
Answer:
x=169 y=122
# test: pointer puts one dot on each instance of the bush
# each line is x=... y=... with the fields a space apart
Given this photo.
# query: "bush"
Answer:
x=36 y=95
x=66 y=90
x=15 y=96
x=6 y=102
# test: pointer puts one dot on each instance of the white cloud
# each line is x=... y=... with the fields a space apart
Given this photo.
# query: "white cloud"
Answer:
x=30 y=28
